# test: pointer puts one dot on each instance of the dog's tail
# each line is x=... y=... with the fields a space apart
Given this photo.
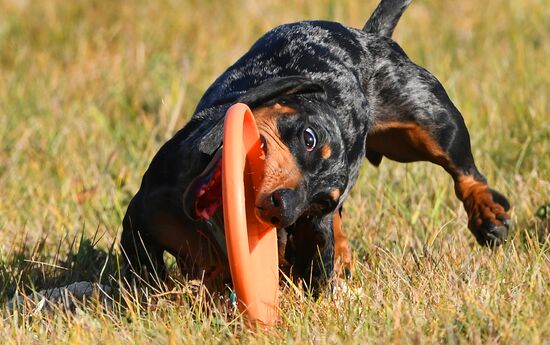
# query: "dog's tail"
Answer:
x=385 y=17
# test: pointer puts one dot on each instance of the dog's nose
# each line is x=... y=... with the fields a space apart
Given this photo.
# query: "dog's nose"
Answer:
x=278 y=197
x=283 y=198
x=279 y=208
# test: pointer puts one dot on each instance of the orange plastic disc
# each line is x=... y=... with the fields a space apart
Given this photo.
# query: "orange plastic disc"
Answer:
x=251 y=245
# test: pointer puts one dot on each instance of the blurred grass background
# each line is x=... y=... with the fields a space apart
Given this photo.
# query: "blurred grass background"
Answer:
x=89 y=90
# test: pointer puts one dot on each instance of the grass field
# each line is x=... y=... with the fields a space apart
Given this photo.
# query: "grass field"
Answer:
x=90 y=90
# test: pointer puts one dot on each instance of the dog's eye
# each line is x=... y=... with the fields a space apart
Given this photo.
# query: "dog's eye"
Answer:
x=310 y=139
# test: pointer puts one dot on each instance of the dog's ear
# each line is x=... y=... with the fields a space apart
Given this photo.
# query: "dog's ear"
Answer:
x=272 y=89
x=268 y=92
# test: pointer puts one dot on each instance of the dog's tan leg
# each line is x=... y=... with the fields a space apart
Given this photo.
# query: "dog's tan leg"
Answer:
x=342 y=252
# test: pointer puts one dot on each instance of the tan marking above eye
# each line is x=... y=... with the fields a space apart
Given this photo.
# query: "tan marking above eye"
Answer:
x=269 y=115
x=279 y=108
x=326 y=151
x=334 y=194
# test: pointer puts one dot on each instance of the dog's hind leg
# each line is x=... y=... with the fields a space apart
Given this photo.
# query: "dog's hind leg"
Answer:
x=414 y=120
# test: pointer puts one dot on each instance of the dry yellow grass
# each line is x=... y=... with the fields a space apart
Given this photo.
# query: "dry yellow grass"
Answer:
x=90 y=90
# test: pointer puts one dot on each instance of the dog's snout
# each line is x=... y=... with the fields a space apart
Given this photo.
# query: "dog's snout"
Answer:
x=282 y=198
x=277 y=197
x=275 y=200
x=279 y=208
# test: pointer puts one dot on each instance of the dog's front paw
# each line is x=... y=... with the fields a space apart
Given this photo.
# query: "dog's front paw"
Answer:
x=342 y=268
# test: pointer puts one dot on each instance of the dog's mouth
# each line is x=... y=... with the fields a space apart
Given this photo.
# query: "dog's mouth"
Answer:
x=209 y=195
x=203 y=197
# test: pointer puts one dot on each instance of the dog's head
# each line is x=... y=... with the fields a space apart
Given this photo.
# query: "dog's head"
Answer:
x=305 y=170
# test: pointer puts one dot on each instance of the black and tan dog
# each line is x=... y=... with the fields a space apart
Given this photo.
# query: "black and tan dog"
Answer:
x=324 y=97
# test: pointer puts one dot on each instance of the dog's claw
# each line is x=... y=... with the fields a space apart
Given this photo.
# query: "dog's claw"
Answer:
x=493 y=235
x=347 y=273
x=504 y=220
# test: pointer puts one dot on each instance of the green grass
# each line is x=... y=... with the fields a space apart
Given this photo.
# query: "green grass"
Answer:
x=90 y=90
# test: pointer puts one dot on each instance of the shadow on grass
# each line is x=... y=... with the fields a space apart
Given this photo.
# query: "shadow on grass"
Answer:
x=26 y=269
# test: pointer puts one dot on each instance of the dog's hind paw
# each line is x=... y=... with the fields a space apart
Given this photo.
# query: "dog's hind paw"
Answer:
x=492 y=235
x=489 y=221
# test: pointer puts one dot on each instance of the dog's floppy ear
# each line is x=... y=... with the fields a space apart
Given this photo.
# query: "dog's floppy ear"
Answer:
x=265 y=93
x=279 y=87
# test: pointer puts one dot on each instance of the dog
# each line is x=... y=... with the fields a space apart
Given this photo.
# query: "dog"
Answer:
x=324 y=97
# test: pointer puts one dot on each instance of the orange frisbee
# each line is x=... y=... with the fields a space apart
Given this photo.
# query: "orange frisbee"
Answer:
x=251 y=245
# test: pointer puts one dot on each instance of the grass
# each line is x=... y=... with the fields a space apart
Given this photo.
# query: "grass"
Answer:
x=90 y=90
